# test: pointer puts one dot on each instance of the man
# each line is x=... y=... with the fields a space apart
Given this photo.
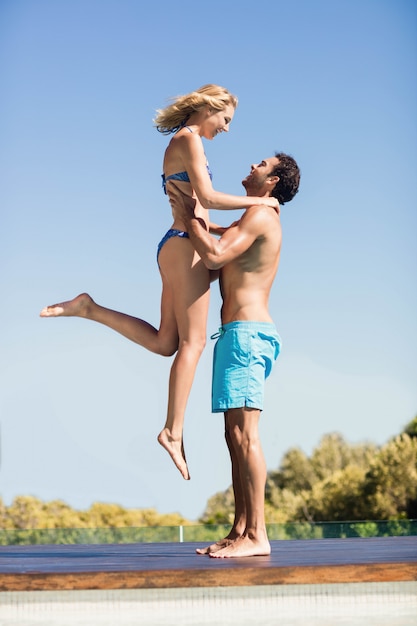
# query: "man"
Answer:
x=247 y=256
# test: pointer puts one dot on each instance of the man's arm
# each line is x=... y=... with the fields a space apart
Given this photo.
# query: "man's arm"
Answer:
x=216 y=229
x=238 y=238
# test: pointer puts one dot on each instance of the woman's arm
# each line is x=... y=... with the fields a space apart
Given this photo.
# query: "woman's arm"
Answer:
x=194 y=159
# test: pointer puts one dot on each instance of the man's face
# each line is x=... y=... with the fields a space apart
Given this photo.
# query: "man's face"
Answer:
x=254 y=183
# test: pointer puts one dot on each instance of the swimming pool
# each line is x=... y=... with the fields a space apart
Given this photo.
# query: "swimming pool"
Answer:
x=347 y=604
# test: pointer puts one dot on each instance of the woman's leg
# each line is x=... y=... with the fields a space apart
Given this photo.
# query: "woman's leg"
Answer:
x=190 y=282
x=163 y=341
x=184 y=309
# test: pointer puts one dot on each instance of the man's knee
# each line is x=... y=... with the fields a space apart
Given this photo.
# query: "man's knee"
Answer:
x=235 y=434
x=242 y=433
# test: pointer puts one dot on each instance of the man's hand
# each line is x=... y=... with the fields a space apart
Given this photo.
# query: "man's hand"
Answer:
x=215 y=229
x=182 y=204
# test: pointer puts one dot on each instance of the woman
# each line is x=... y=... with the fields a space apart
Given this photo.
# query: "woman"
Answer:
x=205 y=112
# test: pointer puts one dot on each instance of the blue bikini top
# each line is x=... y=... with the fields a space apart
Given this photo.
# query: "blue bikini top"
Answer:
x=183 y=176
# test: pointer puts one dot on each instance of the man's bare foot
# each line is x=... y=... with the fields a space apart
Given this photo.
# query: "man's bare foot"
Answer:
x=244 y=546
x=175 y=449
x=215 y=547
x=222 y=543
x=78 y=307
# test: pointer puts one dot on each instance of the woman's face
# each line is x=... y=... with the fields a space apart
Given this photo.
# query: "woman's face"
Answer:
x=218 y=121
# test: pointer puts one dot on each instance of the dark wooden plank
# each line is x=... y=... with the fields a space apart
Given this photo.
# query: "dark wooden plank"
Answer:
x=129 y=566
x=205 y=578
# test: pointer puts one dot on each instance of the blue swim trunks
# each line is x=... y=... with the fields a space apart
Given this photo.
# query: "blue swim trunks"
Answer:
x=244 y=355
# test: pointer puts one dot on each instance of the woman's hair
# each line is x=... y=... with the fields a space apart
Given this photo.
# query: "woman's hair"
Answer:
x=289 y=178
x=176 y=114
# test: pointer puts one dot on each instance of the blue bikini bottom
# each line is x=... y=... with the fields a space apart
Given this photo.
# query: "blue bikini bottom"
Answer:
x=173 y=232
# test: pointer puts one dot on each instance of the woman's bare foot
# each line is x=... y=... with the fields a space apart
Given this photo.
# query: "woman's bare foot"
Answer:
x=243 y=546
x=78 y=307
x=175 y=449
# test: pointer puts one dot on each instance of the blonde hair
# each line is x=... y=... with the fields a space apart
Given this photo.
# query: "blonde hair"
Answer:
x=175 y=115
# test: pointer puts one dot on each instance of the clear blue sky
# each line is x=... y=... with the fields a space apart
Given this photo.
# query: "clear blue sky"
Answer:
x=333 y=84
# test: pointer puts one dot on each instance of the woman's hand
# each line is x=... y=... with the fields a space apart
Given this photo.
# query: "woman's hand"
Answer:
x=273 y=203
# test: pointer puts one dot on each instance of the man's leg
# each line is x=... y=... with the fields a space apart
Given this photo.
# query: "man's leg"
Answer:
x=242 y=426
x=239 y=523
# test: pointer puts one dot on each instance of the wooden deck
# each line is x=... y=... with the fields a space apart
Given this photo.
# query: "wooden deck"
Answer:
x=169 y=565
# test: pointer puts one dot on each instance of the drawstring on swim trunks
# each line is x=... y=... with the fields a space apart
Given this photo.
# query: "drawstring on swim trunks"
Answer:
x=219 y=333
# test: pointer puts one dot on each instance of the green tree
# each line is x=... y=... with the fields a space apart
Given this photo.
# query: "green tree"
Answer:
x=411 y=428
x=3 y=514
x=295 y=473
x=27 y=512
x=106 y=515
x=24 y=512
x=339 y=482
x=283 y=505
x=333 y=454
x=58 y=514
x=219 y=508
x=337 y=498
x=390 y=486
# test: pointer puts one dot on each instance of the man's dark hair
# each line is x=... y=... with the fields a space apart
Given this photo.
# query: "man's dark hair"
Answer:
x=289 y=178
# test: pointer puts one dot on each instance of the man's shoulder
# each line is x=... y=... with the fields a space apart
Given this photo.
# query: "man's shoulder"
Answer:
x=263 y=215
x=262 y=223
